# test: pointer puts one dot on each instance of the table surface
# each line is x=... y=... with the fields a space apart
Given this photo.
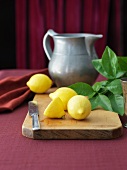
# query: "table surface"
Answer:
x=20 y=153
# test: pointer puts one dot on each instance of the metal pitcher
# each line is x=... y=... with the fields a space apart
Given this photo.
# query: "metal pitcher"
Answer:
x=71 y=58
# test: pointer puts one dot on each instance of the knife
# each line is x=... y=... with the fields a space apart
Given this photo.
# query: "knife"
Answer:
x=33 y=112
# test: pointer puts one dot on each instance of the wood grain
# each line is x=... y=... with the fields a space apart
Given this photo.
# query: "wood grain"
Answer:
x=100 y=124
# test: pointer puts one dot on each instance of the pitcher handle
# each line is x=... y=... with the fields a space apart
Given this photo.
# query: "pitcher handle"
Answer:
x=46 y=43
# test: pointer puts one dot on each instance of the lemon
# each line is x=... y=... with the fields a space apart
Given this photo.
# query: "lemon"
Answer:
x=64 y=93
x=79 y=107
x=55 y=109
x=39 y=83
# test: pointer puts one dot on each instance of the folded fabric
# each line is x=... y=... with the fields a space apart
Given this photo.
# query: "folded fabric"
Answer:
x=14 y=91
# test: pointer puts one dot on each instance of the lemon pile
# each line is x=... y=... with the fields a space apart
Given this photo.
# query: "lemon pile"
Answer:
x=63 y=99
x=59 y=102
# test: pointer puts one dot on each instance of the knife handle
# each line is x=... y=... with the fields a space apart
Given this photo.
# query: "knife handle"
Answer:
x=35 y=122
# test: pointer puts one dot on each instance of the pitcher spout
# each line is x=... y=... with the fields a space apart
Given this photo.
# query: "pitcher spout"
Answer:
x=89 y=41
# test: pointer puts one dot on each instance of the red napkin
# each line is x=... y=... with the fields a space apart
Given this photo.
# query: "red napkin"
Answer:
x=14 y=91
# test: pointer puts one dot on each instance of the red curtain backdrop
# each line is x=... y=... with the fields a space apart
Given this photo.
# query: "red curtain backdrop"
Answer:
x=35 y=17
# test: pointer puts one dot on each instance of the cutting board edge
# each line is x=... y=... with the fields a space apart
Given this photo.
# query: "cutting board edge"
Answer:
x=26 y=129
x=66 y=133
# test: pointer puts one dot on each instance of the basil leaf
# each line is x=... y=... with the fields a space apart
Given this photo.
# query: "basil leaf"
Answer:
x=99 y=85
x=120 y=73
x=115 y=87
x=97 y=63
x=104 y=102
x=83 y=89
x=110 y=62
x=123 y=63
x=117 y=102
x=94 y=105
x=122 y=66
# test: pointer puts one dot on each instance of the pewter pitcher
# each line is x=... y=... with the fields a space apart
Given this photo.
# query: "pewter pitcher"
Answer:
x=71 y=58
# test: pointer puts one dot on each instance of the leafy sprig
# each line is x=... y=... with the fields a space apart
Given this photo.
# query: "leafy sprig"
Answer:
x=106 y=94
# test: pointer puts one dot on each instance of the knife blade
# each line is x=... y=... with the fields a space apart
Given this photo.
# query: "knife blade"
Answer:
x=33 y=112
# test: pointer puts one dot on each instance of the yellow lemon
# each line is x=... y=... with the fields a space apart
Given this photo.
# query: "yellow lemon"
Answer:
x=39 y=83
x=64 y=93
x=55 y=109
x=79 y=107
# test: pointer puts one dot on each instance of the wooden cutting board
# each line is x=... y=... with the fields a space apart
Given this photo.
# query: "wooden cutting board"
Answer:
x=100 y=124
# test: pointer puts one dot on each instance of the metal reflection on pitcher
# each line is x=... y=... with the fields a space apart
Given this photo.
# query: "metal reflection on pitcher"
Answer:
x=124 y=88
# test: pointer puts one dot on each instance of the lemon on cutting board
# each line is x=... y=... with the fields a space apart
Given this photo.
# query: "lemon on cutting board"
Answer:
x=79 y=107
x=39 y=83
x=64 y=93
x=55 y=109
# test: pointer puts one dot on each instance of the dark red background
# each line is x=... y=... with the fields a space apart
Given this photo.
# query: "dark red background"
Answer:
x=24 y=23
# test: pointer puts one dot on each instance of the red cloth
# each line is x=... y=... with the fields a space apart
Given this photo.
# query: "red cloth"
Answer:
x=14 y=90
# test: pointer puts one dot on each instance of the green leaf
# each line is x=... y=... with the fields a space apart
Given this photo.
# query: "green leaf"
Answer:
x=122 y=67
x=97 y=63
x=123 y=63
x=120 y=73
x=117 y=102
x=115 y=87
x=83 y=89
x=110 y=62
x=99 y=85
x=94 y=105
x=104 y=102
x=122 y=70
